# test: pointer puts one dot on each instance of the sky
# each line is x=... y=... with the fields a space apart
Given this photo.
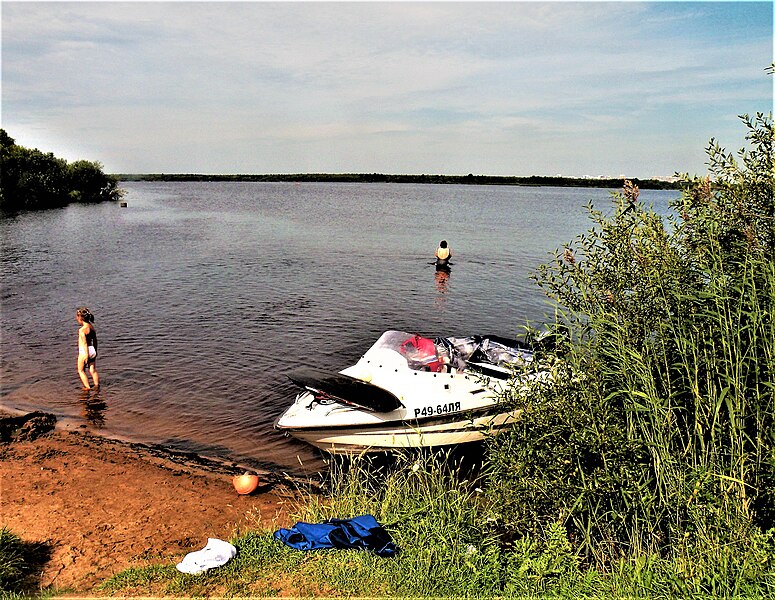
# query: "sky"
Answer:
x=505 y=88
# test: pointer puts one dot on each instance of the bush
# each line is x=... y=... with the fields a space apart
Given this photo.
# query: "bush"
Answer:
x=34 y=180
x=658 y=434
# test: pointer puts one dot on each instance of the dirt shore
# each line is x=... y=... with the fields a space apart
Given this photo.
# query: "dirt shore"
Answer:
x=91 y=506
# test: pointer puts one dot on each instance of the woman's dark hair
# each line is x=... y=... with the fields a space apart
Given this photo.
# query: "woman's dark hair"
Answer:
x=443 y=244
x=85 y=314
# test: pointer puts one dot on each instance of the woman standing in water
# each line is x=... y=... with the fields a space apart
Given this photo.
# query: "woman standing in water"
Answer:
x=87 y=347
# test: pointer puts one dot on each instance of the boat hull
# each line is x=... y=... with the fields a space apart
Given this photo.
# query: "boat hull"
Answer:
x=404 y=392
x=389 y=436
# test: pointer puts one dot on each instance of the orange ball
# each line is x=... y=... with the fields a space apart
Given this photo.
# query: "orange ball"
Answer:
x=245 y=484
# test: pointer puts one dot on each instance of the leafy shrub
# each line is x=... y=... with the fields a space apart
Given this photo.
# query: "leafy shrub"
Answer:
x=33 y=180
x=657 y=435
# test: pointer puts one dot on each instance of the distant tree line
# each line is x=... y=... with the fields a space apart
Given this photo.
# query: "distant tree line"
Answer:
x=470 y=179
x=32 y=180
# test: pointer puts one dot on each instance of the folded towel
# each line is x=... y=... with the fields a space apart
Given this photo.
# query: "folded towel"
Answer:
x=215 y=554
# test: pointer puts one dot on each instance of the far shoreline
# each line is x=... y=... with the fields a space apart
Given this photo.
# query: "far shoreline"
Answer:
x=470 y=179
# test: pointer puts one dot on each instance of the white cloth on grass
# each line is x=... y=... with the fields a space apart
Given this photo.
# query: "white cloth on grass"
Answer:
x=215 y=554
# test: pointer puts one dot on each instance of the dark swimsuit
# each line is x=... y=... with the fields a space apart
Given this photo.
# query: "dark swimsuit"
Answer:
x=91 y=342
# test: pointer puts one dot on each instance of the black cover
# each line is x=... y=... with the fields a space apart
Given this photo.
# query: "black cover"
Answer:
x=345 y=389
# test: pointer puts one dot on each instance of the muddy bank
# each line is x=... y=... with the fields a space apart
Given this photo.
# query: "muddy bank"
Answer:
x=88 y=507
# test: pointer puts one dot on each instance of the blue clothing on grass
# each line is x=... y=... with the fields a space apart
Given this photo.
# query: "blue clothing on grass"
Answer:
x=359 y=532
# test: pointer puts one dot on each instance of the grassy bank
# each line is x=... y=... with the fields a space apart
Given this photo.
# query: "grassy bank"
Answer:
x=451 y=543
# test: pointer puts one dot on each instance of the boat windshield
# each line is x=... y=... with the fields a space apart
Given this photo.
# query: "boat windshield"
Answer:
x=425 y=354
x=421 y=353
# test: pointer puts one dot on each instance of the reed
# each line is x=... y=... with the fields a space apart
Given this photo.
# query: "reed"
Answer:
x=661 y=441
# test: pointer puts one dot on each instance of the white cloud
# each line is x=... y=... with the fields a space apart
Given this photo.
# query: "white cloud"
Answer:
x=236 y=87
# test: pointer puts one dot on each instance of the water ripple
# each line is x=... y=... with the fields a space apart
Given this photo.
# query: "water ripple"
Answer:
x=207 y=295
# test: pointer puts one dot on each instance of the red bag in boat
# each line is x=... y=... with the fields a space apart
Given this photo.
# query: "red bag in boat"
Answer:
x=422 y=350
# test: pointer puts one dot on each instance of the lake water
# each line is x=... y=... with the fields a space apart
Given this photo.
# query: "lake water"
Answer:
x=207 y=294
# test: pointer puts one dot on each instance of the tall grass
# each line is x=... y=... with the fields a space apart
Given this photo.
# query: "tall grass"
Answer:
x=12 y=562
x=657 y=438
x=20 y=564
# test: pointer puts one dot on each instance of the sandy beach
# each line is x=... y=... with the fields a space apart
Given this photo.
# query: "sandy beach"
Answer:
x=92 y=507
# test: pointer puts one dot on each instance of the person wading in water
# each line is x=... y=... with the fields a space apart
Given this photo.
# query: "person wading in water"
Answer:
x=443 y=254
x=87 y=347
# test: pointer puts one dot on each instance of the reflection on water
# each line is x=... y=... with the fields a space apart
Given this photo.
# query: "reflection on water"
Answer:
x=442 y=280
x=442 y=287
x=93 y=407
x=207 y=294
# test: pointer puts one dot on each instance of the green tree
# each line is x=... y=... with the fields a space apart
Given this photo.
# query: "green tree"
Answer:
x=88 y=183
x=32 y=179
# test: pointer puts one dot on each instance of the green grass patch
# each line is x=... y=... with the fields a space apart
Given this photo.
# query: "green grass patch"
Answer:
x=450 y=545
x=12 y=563
x=20 y=564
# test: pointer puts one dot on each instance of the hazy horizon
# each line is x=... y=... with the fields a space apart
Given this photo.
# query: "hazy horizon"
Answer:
x=577 y=89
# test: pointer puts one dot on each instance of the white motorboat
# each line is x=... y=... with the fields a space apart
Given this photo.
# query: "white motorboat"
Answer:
x=407 y=391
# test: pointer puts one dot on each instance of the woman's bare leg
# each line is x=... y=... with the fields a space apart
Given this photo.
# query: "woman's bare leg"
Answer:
x=82 y=372
x=94 y=375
